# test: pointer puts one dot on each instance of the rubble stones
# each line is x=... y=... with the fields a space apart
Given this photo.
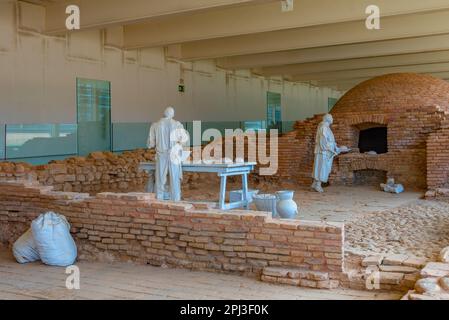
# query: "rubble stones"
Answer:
x=392 y=271
x=444 y=255
x=299 y=277
x=400 y=269
x=429 y=285
x=100 y=171
x=433 y=286
x=372 y=261
x=424 y=232
x=435 y=269
x=444 y=283
x=391 y=278
x=417 y=263
x=395 y=259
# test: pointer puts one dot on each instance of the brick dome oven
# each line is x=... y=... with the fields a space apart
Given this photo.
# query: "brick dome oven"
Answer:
x=395 y=125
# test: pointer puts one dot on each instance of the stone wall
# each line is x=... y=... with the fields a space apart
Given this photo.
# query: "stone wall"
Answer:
x=98 y=172
x=135 y=227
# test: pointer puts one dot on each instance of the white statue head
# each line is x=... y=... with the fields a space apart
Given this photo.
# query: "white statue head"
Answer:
x=328 y=118
x=169 y=113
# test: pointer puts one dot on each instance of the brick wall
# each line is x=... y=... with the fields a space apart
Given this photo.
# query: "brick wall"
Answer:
x=411 y=106
x=437 y=159
x=100 y=171
x=138 y=228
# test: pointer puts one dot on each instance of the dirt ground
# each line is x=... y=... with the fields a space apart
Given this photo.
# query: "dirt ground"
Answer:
x=36 y=281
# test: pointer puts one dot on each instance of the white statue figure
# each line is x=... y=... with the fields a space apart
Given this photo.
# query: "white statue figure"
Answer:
x=168 y=136
x=325 y=151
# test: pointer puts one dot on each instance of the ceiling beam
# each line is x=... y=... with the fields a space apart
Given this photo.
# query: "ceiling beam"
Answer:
x=371 y=73
x=340 y=52
x=341 y=85
x=264 y=17
x=442 y=75
x=326 y=83
x=395 y=27
x=361 y=63
x=105 y=13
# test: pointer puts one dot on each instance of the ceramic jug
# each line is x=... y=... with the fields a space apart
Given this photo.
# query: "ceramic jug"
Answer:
x=286 y=206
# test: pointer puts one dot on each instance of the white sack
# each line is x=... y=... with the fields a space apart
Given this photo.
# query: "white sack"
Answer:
x=54 y=242
x=24 y=249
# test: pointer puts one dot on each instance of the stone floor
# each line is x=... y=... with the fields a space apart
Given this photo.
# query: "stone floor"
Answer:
x=420 y=228
x=338 y=204
x=126 y=281
x=344 y=204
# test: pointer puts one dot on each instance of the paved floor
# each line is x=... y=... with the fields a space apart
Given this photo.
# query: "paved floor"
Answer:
x=420 y=229
x=126 y=281
x=337 y=204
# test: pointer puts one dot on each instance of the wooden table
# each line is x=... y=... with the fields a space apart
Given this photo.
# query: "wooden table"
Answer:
x=222 y=170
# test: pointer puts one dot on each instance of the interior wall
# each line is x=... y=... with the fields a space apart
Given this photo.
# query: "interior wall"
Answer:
x=38 y=79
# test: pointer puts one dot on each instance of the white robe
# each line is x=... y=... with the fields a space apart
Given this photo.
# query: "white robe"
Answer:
x=325 y=151
x=159 y=138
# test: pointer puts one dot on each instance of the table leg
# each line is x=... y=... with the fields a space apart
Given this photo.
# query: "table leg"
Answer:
x=150 y=183
x=221 y=203
x=245 y=190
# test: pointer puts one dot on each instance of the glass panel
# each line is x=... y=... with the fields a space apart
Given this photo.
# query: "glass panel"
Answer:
x=254 y=125
x=220 y=126
x=189 y=127
x=288 y=126
x=40 y=160
x=205 y=125
x=130 y=136
x=274 y=111
x=2 y=141
x=40 y=140
x=94 y=116
x=331 y=102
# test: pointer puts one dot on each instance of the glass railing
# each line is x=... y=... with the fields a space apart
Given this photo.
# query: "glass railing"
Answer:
x=287 y=126
x=40 y=143
x=2 y=141
x=129 y=136
x=93 y=136
x=40 y=140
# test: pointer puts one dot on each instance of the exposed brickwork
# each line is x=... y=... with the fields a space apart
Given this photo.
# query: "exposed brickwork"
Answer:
x=437 y=159
x=136 y=227
x=299 y=277
x=100 y=171
x=411 y=106
x=391 y=272
x=433 y=283
x=415 y=109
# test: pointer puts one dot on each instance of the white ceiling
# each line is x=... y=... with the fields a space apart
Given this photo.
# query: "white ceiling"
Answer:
x=324 y=42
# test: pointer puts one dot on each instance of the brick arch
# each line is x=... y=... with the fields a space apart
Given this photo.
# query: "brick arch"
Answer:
x=366 y=118
x=365 y=163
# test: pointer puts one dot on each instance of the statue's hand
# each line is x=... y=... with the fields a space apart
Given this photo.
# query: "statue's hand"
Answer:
x=343 y=149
